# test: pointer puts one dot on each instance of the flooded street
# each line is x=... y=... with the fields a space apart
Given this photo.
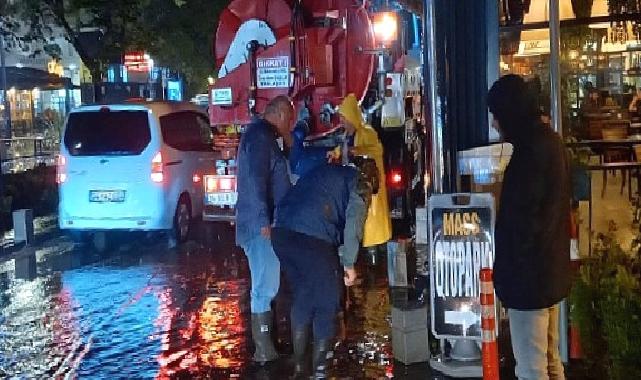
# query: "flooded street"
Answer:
x=145 y=311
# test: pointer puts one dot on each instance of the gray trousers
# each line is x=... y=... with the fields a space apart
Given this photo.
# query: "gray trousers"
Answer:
x=535 y=341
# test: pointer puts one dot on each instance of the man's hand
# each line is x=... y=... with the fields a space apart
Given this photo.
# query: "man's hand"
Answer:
x=334 y=156
x=350 y=276
x=266 y=232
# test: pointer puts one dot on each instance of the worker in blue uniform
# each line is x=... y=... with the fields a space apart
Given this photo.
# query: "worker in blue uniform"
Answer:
x=317 y=233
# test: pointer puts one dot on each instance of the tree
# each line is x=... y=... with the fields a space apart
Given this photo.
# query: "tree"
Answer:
x=180 y=36
x=178 y=33
x=115 y=24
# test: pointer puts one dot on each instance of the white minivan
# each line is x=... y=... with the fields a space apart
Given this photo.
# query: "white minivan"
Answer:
x=135 y=166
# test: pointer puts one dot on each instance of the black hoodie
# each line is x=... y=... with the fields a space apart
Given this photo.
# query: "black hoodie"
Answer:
x=532 y=263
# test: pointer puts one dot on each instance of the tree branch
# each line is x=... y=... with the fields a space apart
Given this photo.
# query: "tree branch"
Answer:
x=58 y=11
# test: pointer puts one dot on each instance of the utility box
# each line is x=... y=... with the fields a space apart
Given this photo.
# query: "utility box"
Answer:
x=23 y=226
x=400 y=263
x=410 y=335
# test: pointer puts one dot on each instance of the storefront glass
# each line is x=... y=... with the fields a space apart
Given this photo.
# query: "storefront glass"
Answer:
x=37 y=118
x=600 y=80
x=600 y=60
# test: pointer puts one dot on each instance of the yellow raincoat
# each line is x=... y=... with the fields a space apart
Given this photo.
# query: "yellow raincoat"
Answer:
x=378 y=226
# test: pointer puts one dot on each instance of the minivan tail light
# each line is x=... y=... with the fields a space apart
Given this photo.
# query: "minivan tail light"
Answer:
x=61 y=169
x=157 y=174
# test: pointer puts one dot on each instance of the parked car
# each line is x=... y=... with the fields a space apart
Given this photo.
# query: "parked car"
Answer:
x=135 y=166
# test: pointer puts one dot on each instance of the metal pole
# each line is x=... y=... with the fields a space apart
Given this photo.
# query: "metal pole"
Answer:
x=493 y=57
x=555 y=107
x=563 y=331
x=7 y=113
x=555 y=71
x=437 y=162
x=4 y=80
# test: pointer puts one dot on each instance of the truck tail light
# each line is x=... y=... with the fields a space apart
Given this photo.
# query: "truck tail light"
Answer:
x=395 y=178
x=157 y=174
x=220 y=183
x=61 y=169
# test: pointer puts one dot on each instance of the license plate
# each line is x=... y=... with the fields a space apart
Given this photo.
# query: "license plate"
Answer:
x=221 y=199
x=103 y=196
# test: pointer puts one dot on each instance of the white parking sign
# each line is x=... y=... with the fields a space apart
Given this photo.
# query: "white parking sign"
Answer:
x=273 y=72
x=461 y=243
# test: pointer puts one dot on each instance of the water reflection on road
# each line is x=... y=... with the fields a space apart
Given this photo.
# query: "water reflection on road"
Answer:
x=144 y=311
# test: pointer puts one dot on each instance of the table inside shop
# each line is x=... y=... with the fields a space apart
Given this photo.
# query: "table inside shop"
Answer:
x=628 y=166
x=600 y=145
x=622 y=143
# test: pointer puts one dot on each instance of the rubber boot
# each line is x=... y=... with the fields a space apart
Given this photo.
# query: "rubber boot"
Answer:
x=261 y=333
x=300 y=341
x=372 y=255
x=321 y=349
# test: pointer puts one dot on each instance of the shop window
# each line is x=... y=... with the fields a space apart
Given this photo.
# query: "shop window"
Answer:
x=599 y=63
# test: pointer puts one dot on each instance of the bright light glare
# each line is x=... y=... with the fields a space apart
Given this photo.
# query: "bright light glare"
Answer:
x=211 y=184
x=225 y=183
x=385 y=27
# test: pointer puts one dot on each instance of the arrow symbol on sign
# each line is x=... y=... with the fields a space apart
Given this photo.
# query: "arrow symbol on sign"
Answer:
x=463 y=318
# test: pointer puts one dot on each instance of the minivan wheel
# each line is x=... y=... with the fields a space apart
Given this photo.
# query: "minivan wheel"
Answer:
x=182 y=220
x=100 y=241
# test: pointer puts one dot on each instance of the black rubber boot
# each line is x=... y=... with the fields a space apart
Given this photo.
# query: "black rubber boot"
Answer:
x=321 y=350
x=300 y=343
x=372 y=255
x=261 y=333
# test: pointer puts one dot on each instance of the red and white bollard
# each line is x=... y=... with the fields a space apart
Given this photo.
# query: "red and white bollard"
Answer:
x=490 y=355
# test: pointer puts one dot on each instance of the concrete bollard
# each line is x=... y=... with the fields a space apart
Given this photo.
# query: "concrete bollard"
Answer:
x=410 y=335
x=26 y=265
x=23 y=226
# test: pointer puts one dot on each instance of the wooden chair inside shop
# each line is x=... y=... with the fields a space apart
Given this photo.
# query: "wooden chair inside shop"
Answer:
x=615 y=130
x=594 y=129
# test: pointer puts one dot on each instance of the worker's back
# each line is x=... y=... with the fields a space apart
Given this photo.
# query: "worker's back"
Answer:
x=316 y=205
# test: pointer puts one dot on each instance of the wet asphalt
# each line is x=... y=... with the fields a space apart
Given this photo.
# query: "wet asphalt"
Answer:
x=143 y=310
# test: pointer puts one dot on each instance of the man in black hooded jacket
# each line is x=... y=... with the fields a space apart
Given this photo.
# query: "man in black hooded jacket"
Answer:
x=532 y=264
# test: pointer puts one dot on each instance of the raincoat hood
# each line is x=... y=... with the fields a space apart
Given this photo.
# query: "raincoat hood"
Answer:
x=378 y=226
x=351 y=111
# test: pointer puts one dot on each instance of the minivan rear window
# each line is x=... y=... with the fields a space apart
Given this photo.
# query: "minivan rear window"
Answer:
x=111 y=133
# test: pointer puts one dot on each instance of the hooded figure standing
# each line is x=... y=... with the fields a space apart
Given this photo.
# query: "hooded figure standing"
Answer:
x=532 y=264
x=378 y=226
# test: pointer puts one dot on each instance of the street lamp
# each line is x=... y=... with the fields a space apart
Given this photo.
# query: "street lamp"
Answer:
x=385 y=26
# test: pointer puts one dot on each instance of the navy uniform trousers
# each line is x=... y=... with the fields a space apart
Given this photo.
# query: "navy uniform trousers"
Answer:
x=314 y=274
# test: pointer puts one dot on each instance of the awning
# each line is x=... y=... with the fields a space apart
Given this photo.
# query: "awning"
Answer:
x=27 y=78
